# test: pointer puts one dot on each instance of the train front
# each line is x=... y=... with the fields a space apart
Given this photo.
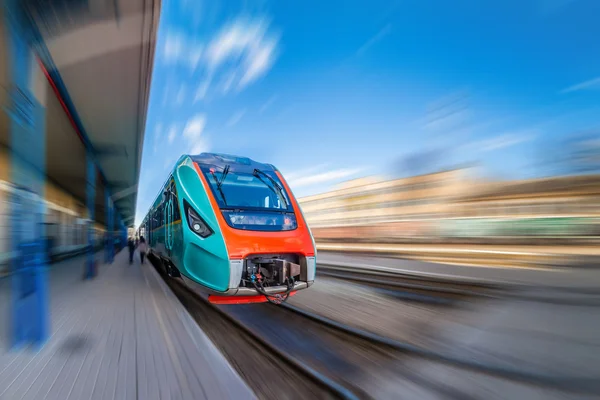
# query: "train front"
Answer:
x=270 y=248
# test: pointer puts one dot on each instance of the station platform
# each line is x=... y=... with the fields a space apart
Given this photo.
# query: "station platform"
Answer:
x=123 y=335
x=554 y=277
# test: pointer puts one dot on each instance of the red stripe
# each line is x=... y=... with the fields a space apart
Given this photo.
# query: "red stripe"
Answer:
x=239 y=299
x=60 y=99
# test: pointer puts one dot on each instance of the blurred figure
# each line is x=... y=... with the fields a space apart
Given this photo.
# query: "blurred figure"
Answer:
x=142 y=249
x=131 y=245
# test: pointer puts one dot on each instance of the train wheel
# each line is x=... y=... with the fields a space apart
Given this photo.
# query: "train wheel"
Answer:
x=171 y=270
x=174 y=271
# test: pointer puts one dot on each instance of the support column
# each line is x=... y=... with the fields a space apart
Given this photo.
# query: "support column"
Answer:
x=91 y=206
x=110 y=245
x=124 y=232
x=27 y=116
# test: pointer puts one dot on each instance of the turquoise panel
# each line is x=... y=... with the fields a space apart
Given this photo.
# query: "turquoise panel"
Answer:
x=204 y=260
x=205 y=267
x=177 y=253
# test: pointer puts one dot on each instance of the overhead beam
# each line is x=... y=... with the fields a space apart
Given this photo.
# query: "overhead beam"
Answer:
x=111 y=150
x=58 y=86
x=124 y=193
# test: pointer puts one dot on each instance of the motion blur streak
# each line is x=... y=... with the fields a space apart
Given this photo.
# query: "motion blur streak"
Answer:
x=322 y=199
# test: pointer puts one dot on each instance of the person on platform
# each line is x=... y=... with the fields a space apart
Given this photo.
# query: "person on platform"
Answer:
x=131 y=245
x=142 y=248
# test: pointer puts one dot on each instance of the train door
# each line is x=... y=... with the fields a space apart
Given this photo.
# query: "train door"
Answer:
x=168 y=210
x=149 y=229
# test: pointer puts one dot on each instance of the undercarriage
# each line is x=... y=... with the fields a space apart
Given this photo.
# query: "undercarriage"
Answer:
x=266 y=271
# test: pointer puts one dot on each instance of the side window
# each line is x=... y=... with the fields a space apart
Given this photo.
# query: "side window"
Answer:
x=176 y=211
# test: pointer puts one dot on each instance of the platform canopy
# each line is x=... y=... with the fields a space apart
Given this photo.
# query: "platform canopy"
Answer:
x=98 y=57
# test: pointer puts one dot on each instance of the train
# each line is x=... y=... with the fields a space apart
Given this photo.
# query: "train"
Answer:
x=231 y=229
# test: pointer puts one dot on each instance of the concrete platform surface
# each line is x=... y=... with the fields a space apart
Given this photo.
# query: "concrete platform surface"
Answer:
x=123 y=335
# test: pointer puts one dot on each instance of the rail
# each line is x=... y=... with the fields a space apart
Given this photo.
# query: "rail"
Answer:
x=568 y=384
x=411 y=283
x=438 y=287
x=491 y=256
x=320 y=380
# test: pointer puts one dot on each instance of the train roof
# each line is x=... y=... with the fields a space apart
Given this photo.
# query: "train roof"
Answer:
x=236 y=163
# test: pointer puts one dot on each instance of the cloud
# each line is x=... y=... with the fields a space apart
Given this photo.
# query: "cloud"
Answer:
x=238 y=54
x=303 y=172
x=157 y=137
x=173 y=47
x=591 y=84
x=235 y=118
x=327 y=176
x=195 y=55
x=227 y=82
x=504 y=141
x=448 y=121
x=180 y=95
x=267 y=104
x=194 y=128
x=260 y=63
x=247 y=42
x=157 y=129
x=178 y=50
x=172 y=133
x=202 y=90
x=386 y=30
x=200 y=146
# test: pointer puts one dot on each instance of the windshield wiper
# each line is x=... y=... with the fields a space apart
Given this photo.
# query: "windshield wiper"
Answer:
x=275 y=188
x=219 y=183
x=223 y=175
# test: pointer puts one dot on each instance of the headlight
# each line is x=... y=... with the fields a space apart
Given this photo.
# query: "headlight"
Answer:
x=235 y=273
x=196 y=223
x=260 y=220
x=311 y=268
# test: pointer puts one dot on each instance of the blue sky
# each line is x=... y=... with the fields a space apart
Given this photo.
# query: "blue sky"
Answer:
x=333 y=90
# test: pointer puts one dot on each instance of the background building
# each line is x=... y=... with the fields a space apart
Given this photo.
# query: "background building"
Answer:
x=455 y=204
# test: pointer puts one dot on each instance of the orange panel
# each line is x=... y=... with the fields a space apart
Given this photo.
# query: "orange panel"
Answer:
x=242 y=243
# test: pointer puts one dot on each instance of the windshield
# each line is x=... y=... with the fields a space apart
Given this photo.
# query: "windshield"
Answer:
x=258 y=190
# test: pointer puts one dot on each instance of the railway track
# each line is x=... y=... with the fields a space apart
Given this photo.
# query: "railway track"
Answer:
x=529 y=257
x=449 y=291
x=346 y=354
x=334 y=360
x=412 y=287
x=269 y=371
x=566 y=383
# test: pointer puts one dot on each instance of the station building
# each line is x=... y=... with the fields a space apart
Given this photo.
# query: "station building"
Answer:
x=453 y=203
x=65 y=217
